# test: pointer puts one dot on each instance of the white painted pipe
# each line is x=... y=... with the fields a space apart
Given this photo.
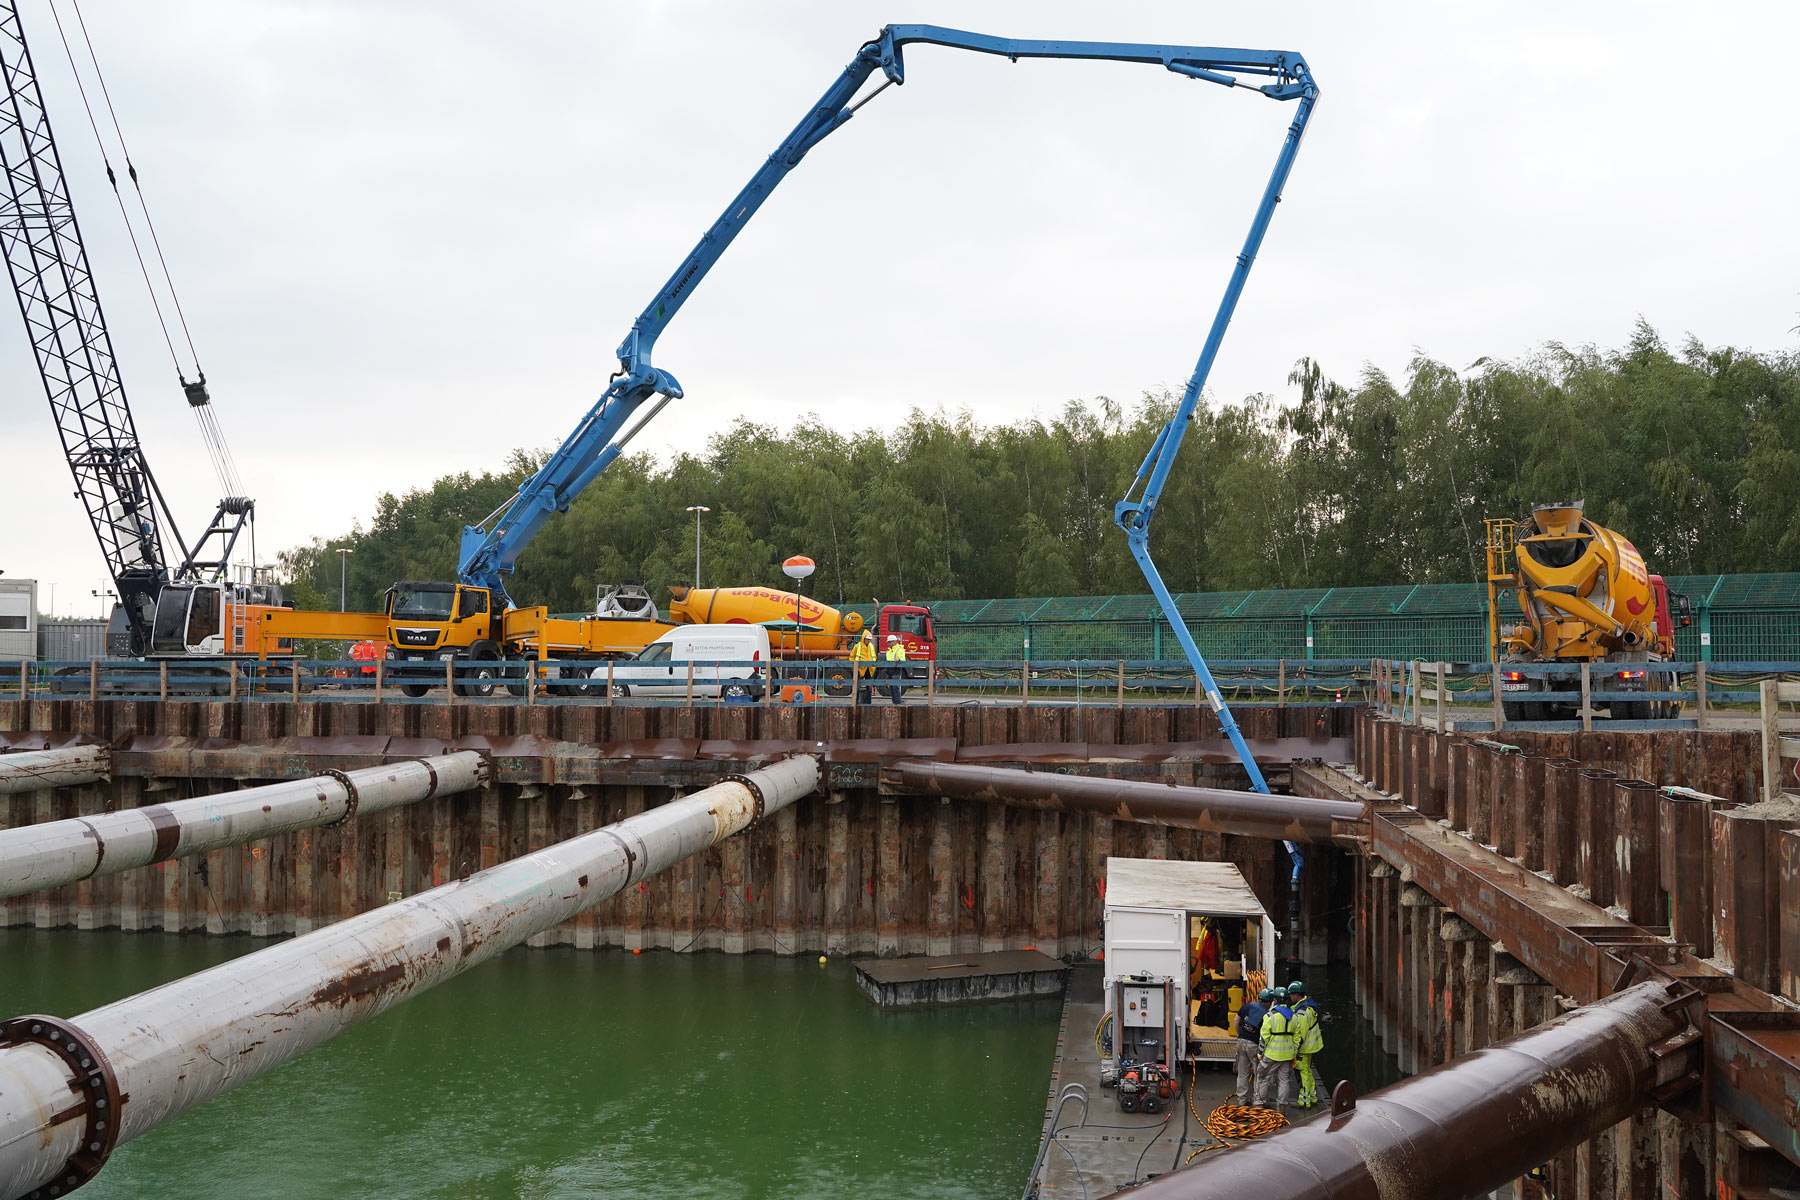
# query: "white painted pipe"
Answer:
x=52 y=853
x=179 y=1045
x=31 y=770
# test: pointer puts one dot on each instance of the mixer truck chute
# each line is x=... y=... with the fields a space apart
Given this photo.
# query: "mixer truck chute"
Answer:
x=1585 y=595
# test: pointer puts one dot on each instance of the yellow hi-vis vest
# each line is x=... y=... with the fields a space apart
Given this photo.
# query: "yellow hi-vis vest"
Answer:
x=1278 y=1041
x=1306 y=1029
x=864 y=652
x=896 y=652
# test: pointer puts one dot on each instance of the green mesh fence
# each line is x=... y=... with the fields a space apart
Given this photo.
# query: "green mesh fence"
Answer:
x=1745 y=618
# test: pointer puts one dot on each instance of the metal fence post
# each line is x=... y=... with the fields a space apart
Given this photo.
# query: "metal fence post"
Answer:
x=1769 y=693
x=690 y=683
x=162 y=675
x=450 y=680
x=380 y=663
x=609 y=683
x=1587 y=704
x=1417 y=716
x=232 y=668
x=1440 y=697
x=930 y=682
x=294 y=676
x=1699 y=696
x=531 y=682
x=1494 y=684
x=93 y=679
x=1281 y=684
x=1024 y=682
x=1121 y=700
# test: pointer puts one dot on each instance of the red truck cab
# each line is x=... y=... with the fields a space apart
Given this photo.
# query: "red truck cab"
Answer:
x=1673 y=611
x=913 y=624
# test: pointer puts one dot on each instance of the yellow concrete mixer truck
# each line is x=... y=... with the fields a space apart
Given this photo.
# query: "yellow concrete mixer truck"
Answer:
x=803 y=628
x=1585 y=595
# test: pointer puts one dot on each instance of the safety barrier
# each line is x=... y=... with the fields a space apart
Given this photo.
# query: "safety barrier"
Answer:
x=1072 y=682
x=1662 y=695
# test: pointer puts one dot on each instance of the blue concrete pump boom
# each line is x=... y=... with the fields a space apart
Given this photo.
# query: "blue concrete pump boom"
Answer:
x=491 y=548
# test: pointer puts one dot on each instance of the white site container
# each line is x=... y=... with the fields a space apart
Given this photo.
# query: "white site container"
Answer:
x=1153 y=910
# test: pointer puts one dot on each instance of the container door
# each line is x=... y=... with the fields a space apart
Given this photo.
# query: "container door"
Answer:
x=1146 y=941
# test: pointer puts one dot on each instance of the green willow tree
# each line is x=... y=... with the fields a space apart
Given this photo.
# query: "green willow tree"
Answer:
x=1692 y=452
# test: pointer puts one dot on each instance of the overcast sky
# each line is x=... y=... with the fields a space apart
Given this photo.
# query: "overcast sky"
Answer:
x=409 y=236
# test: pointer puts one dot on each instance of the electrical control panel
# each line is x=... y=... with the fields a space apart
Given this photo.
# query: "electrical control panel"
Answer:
x=1142 y=1006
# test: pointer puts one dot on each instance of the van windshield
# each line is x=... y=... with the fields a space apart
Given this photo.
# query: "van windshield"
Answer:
x=656 y=652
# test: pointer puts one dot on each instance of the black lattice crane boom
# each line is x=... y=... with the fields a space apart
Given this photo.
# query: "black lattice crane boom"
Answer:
x=48 y=263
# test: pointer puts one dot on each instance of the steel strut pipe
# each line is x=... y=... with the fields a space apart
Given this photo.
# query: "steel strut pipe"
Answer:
x=1465 y=1128
x=1215 y=810
x=33 y=857
x=164 y=1051
x=30 y=770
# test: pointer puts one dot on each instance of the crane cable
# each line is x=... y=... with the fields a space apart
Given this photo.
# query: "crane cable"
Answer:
x=212 y=434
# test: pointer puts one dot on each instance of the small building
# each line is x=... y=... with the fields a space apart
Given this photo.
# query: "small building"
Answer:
x=1186 y=944
x=18 y=620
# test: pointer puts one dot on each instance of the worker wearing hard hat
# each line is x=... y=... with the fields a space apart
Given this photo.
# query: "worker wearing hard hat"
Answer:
x=1249 y=1031
x=1275 y=1073
x=896 y=653
x=864 y=652
x=1309 y=1038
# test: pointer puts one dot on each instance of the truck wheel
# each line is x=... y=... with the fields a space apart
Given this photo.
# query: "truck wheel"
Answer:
x=737 y=691
x=415 y=690
x=483 y=672
x=837 y=681
x=1517 y=710
x=1631 y=710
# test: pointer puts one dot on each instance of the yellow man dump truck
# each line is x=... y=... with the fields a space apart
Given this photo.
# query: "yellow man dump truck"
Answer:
x=1585 y=595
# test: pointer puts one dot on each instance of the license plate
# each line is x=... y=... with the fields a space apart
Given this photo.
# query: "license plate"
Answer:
x=1515 y=687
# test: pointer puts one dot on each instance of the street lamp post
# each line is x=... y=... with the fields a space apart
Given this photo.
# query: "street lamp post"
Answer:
x=699 y=510
x=343 y=578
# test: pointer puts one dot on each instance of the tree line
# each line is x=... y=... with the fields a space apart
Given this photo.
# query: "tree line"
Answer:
x=1693 y=453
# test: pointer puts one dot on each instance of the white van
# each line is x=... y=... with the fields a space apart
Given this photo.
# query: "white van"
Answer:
x=728 y=660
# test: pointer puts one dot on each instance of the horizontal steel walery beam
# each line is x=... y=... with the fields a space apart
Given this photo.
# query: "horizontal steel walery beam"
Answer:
x=1214 y=810
x=647 y=761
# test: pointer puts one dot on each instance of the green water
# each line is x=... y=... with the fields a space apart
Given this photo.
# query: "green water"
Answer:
x=562 y=1073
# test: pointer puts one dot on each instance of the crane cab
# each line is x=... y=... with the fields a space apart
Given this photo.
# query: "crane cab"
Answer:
x=199 y=620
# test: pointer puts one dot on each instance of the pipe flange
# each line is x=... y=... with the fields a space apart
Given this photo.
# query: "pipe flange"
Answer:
x=755 y=791
x=349 y=790
x=95 y=1085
